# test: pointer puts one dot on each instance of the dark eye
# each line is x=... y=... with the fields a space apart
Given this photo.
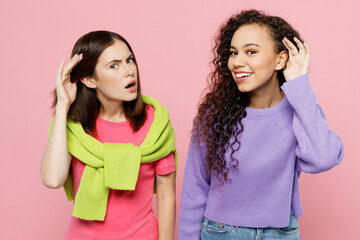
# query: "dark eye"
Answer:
x=130 y=60
x=233 y=53
x=115 y=66
x=251 y=52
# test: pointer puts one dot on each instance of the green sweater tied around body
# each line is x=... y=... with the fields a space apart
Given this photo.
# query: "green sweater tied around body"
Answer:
x=114 y=165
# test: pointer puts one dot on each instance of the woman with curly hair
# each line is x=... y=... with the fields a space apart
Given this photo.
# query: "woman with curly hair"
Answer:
x=108 y=143
x=256 y=129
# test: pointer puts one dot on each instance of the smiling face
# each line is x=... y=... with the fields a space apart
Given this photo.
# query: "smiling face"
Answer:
x=116 y=77
x=253 y=62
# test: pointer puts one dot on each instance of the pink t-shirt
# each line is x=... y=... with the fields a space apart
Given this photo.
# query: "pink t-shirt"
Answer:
x=129 y=214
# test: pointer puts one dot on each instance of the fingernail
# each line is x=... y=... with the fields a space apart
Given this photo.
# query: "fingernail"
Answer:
x=80 y=55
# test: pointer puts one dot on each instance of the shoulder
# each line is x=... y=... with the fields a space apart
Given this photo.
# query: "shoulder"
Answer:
x=150 y=110
x=159 y=108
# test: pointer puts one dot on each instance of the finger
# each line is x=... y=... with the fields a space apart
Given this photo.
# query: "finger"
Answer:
x=72 y=63
x=307 y=49
x=291 y=47
x=300 y=45
x=289 y=62
x=287 y=47
x=60 y=70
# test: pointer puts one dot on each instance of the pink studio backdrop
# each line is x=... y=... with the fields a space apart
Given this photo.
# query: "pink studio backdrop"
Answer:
x=172 y=41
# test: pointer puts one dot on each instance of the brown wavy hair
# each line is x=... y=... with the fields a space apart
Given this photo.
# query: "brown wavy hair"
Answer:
x=86 y=107
x=223 y=107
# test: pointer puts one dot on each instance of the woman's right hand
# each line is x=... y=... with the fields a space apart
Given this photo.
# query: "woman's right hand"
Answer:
x=56 y=161
x=66 y=90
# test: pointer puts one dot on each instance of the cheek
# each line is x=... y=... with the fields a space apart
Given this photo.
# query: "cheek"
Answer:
x=263 y=63
x=230 y=64
x=259 y=62
x=109 y=81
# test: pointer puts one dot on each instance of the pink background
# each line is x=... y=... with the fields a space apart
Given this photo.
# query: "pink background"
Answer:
x=172 y=41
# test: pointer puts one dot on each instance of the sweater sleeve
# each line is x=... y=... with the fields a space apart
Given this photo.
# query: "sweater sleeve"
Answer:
x=195 y=190
x=319 y=149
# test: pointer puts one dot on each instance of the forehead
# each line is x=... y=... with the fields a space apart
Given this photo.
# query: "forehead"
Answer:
x=252 y=33
x=118 y=50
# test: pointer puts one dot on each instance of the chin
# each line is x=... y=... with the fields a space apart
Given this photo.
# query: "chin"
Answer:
x=130 y=98
x=244 y=90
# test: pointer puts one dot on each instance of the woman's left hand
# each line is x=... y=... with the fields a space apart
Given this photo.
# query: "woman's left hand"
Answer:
x=298 y=61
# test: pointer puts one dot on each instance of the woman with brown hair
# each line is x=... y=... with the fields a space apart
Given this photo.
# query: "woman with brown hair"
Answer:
x=256 y=129
x=107 y=143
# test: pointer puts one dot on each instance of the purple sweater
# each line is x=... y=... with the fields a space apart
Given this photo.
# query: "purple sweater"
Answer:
x=276 y=145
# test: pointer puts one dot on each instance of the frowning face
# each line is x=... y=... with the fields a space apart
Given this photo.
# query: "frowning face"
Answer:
x=116 y=77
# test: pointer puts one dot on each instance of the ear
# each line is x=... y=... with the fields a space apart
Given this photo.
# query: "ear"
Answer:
x=90 y=82
x=281 y=60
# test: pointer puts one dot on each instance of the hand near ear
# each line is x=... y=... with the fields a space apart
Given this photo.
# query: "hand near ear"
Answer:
x=299 y=60
x=66 y=90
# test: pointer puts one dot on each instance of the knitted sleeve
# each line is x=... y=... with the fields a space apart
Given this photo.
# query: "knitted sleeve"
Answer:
x=319 y=149
x=195 y=190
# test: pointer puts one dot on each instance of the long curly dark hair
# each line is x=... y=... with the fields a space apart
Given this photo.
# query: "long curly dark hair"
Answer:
x=221 y=110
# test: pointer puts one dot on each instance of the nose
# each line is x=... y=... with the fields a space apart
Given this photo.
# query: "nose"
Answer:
x=239 y=61
x=129 y=71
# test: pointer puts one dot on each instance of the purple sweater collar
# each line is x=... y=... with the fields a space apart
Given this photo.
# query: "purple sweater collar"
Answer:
x=284 y=104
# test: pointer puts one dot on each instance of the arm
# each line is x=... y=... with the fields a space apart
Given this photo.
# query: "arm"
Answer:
x=166 y=205
x=319 y=149
x=56 y=160
x=194 y=194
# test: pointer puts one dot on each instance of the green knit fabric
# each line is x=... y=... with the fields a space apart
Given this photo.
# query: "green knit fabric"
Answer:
x=114 y=165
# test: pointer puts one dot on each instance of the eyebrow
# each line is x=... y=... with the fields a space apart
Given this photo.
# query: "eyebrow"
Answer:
x=114 y=61
x=119 y=60
x=246 y=45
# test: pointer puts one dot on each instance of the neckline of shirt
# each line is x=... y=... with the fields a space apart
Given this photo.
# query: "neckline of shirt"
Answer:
x=112 y=124
x=284 y=104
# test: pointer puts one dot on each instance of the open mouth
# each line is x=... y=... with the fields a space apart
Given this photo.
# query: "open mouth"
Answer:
x=131 y=84
x=243 y=75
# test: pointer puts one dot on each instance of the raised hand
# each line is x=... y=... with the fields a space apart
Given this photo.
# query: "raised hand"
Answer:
x=298 y=62
x=66 y=90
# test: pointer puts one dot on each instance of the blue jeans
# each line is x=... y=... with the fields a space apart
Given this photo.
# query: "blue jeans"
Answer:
x=217 y=231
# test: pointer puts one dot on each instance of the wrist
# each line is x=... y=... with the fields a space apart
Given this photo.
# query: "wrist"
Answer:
x=62 y=108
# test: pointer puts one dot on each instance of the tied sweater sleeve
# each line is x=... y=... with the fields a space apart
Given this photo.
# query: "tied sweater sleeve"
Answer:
x=319 y=149
x=194 y=194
